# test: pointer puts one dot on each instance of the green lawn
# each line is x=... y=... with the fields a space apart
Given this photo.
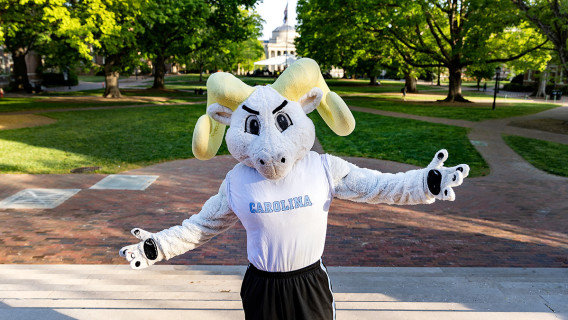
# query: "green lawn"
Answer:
x=464 y=111
x=31 y=104
x=123 y=139
x=34 y=104
x=116 y=140
x=143 y=91
x=547 y=156
x=402 y=140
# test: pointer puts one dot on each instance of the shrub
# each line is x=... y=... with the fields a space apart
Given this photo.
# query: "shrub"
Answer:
x=518 y=79
x=57 y=79
x=515 y=87
x=551 y=87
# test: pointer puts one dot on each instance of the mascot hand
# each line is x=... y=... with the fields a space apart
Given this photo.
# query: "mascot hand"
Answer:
x=143 y=254
x=440 y=179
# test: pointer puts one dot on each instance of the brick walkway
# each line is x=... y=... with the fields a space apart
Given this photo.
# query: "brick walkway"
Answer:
x=515 y=217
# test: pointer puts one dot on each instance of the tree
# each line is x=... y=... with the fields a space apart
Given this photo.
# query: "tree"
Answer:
x=331 y=33
x=457 y=34
x=480 y=72
x=42 y=26
x=551 y=18
x=177 y=28
x=344 y=34
x=111 y=27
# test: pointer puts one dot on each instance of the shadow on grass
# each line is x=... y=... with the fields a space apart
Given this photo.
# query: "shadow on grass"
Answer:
x=402 y=140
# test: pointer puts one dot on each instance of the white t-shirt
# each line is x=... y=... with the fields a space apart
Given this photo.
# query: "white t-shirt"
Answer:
x=285 y=220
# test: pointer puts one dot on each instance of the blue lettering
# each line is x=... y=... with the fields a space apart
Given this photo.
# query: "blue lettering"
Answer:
x=267 y=207
x=284 y=206
x=259 y=208
x=276 y=206
x=298 y=202
x=307 y=202
x=251 y=205
x=291 y=201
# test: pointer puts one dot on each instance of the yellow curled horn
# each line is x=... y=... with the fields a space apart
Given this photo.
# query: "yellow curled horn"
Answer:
x=228 y=91
x=300 y=78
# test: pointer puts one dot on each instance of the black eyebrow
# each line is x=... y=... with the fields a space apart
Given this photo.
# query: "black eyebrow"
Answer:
x=280 y=107
x=250 y=110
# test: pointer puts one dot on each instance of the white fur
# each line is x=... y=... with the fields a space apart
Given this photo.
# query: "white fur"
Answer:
x=265 y=153
x=215 y=217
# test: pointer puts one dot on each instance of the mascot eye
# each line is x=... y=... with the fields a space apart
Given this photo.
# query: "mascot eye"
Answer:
x=283 y=121
x=252 y=125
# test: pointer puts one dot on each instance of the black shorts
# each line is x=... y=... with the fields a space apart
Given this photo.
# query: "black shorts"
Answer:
x=300 y=294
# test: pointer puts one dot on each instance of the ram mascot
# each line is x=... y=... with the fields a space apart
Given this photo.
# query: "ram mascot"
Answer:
x=281 y=191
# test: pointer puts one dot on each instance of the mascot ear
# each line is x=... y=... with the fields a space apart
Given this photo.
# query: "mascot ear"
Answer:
x=220 y=113
x=311 y=99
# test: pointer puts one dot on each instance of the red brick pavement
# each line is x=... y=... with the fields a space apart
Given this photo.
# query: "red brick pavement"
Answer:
x=492 y=223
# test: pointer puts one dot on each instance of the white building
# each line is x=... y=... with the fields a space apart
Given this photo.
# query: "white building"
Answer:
x=281 y=43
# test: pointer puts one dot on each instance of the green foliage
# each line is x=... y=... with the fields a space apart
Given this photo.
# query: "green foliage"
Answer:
x=547 y=156
x=551 y=18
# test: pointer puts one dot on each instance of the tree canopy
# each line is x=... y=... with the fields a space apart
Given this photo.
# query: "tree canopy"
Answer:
x=551 y=18
x=423 y=33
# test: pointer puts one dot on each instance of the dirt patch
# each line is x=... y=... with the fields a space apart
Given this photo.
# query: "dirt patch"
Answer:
x=8 y=122
x=549 y=125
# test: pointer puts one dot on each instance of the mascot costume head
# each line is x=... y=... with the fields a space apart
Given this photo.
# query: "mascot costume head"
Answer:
x=268 y=125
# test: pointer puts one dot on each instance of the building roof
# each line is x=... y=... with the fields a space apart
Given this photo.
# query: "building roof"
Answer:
x=284 y=27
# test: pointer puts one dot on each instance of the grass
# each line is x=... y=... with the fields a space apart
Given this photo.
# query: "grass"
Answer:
x=461 y=111
x=116 y=140
x=31 y=104
x=145 y=92
x=547 y=156
x=35 y=104
x=402 y=140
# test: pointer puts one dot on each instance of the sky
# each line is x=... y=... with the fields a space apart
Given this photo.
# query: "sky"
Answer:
x=272 y=11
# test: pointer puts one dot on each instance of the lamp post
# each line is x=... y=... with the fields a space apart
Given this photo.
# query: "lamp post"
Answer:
x=497 y=74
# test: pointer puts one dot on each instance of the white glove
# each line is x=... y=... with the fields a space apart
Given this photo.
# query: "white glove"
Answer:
x=142 y=254
x=440 y=179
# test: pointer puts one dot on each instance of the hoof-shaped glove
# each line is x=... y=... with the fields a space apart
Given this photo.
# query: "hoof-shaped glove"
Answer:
x=143 y=254
x=441 y=180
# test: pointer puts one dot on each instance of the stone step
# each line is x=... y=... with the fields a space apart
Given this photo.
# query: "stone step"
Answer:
x=212 y=292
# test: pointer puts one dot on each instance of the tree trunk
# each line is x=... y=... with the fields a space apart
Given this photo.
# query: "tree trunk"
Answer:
x=455 y=93
x=410 y=83
x=541 y=91
x=21 y=80
x=438 y=84
x=201 y=73
x=478 y=83
x=373 y=81
x=159 y=71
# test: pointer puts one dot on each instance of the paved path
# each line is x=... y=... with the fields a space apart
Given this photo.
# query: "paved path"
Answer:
x=515 y=217
x=51 y=292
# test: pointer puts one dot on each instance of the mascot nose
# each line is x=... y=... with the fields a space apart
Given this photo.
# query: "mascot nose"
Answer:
x=267 y=159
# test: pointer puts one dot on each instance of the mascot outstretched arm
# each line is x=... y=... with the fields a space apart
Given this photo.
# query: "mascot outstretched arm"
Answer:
x=281 y=191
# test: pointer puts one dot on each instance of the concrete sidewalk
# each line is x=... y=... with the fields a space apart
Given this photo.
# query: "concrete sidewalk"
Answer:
x=212 y=292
